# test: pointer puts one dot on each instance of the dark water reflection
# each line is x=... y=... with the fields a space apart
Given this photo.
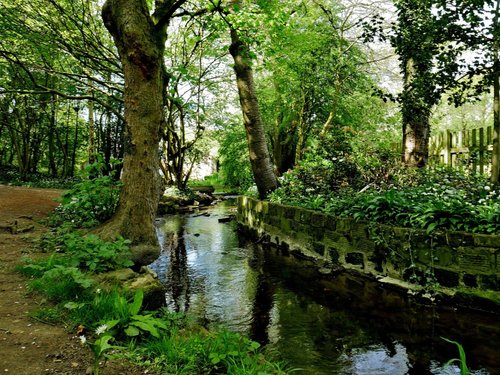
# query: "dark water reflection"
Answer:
x=341 y=325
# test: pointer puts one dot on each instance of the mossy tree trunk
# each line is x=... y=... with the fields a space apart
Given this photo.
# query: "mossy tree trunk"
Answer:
x=495 y=159
x=260 y=160
x=415 y=42
x=140 y=39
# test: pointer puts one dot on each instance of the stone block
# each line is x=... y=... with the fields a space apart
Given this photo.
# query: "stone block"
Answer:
x=317 y=233
x=424 y=255
x=359 y=230
x=273 y=221
x=273 y=210
x=364 y=245
x=487 y=240
x=489 y=282
x=401 y=234
x=446 y=278
x=297 y=226
x=289 y=212
x=268 y=228
x=285 y=225
x=419 y=237
x=334 y=237
x=319 y=248
x=334 y=255
x=476 y=259
x=355 y=258
x=331 y=222
x=305 y=216
x=444 y=256
x=340 y=242
x=438 y=239
x=343 y=225
x=469 y=280
x=318 y=220
x=457 y=239
x=260 y=206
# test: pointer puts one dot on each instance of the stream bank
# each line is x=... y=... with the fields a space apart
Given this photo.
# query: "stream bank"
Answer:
x=335 y=323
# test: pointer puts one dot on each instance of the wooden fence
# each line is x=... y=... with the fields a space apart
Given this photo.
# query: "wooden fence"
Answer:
x=469 y=149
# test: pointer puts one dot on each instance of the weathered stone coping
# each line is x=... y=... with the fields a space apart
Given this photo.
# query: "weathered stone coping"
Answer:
x=456 y=261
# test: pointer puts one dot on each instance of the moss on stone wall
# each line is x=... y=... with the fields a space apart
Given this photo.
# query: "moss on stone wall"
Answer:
x=450 y=259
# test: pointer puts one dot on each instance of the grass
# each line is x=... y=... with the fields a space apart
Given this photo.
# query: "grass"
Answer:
x=112 y=318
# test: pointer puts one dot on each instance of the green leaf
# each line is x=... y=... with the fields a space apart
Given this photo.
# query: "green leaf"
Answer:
x=464 y=370
x=132 y=331
x=73 y=305
x=147 y=327
x=150 y=320
x=431 y=227
x=135 y=306
x=112 y=323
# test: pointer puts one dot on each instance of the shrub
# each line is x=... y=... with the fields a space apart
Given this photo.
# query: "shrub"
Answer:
x=88 y=203
x=437 y=199
x=62 y=284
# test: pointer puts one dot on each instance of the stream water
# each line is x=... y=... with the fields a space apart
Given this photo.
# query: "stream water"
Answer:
x=333 y=325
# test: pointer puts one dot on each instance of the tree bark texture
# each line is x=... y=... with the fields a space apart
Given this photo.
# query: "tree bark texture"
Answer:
x=495 y=156
x=495 y=162
x=262 y=167
x=416 y=50
x=141 y=54
x=416 y=121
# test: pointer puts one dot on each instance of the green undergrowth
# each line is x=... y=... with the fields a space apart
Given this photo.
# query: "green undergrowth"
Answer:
x=9 y=175
x=112 y=321
x=216 y=181
x=488 y=295
x=113 y=324
x=437 y=199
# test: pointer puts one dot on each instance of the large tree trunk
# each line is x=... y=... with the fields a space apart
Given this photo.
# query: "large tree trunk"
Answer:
x=416 y=51
x=262 y=167
x=141 y=53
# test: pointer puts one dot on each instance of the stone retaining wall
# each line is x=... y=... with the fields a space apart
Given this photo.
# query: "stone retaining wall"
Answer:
x=452 y=259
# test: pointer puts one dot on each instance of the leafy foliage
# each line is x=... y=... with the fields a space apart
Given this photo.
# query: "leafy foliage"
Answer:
x=95 y=255
x=89 y=253
x=218 y=351
x=440 y=199
x=326 y=169
x=464 y=370
x=234 y=159
x=10 y=175
x=88 y=203
x=127 y=321
x=62 y=283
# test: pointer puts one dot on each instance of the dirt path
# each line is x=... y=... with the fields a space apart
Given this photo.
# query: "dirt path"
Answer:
x=26 y=345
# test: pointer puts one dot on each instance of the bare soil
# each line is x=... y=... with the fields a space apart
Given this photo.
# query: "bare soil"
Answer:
x=28 y=346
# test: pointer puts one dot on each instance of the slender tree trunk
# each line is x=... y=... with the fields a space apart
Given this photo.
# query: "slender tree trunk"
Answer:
x=495 y=157
x=262 y=167
x=495 y=163
x=141 y=53
x=91 y=129
x=301 y=128
x=416 y=121
x=75 y=146
x=50 y=140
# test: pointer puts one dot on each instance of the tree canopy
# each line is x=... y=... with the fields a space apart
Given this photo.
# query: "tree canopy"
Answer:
x=153 y=84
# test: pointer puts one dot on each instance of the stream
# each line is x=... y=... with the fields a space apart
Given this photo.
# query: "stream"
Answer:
x=319 y=324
